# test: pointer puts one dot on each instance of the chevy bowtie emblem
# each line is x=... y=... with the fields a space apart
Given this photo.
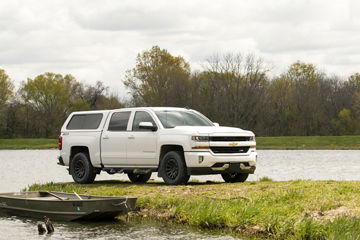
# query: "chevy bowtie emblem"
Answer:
x=233 y=144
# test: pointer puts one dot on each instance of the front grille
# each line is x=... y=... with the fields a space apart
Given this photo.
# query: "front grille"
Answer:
x=229 y=139
x=230 y=149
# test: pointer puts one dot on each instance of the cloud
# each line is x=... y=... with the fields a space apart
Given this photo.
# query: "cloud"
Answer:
x=99 y=40
x=130 y=19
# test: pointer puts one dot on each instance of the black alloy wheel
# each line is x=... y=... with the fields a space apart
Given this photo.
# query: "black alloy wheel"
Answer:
x=79 y=169
x=171 y=168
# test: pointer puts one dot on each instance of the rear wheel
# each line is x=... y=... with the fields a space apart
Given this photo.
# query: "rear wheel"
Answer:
x=139 y=178
x=234 y=177
x=173 y=168
x=81 y=169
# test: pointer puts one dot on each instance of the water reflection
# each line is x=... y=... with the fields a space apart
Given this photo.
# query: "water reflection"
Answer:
x=21 y=168
x=19 y=228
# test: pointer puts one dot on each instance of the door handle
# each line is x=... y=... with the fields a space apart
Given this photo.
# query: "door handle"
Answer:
x=105 y=137
x=131 y=137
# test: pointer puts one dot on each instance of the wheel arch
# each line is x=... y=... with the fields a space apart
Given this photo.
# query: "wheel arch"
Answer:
x=75 y=150
x=168 y=148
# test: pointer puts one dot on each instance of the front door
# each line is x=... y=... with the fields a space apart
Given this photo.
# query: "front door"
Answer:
x=114 y=140
x=142 y=143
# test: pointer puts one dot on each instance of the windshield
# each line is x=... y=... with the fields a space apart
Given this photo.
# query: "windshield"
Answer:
x=170 y=119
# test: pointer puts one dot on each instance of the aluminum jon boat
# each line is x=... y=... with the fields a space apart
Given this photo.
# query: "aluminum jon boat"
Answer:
x=64 y=206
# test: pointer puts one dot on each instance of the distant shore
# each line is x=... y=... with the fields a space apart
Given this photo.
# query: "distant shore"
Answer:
x=266 y=209
x=278 y=143
x=309 y=142
x=28 y=143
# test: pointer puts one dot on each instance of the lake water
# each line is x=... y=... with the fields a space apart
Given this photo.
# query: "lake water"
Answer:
x=20 y=168
x=18 y=228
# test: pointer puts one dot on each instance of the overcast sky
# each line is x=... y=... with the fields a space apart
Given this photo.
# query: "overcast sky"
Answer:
x=99 y=40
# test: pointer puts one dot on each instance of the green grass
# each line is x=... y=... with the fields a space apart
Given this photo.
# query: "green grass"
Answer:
x=299 y=142
x=275 y=210
x=265 y=179
x=309 y=142
x=28 y=143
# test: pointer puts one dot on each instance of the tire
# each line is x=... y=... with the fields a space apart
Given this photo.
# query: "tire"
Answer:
x=187 y=179
x=234 y=177
x=82 y=170
x=173 y=168
x=139 y=178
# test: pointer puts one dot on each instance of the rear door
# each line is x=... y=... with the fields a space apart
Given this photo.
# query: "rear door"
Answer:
x=142 y=143
x=114 y=139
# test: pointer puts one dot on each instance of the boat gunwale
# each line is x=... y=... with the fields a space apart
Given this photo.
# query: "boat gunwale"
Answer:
x=94 y=197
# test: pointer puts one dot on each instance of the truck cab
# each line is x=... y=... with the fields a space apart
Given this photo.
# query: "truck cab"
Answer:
x=174 y=142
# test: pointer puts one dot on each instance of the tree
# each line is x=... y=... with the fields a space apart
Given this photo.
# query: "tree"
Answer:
x=51 y=97
x=354 y=85
x=109 y=102
x=345 y=123
x=96 y=97
x=235 y=86
x=354 y=81
x=92 y=94
x=6 y=87
x=306 y=107
x=280 y=115
x=6 y=92
x=159 y=79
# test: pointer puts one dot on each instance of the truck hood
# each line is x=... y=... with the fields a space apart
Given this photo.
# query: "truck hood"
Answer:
x=212 y=131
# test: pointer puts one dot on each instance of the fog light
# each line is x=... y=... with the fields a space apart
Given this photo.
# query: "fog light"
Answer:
x=201 y=159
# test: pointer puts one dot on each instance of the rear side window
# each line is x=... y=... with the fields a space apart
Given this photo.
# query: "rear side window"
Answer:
x=85 y=121
x=119 y=121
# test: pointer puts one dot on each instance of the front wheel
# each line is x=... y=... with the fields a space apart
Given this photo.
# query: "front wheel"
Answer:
x=139 y=178
x=81 y=169
x=173 y=168
x=234 y=177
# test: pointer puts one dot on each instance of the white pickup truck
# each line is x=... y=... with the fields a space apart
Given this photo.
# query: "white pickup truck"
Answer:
x=175 y=142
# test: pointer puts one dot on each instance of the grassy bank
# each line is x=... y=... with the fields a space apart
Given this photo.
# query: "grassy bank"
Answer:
x=266 y=209
x=28 y=143
x=309 y=142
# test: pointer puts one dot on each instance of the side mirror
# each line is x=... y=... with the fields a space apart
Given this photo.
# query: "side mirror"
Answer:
x=216 y=124
x=147 y=125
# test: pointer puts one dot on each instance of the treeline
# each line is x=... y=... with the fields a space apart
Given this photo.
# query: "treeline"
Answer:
x=233 y=90
x=236 y=90
x=41 y=105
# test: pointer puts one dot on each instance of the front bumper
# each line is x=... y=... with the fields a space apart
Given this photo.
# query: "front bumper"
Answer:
x=208 y=163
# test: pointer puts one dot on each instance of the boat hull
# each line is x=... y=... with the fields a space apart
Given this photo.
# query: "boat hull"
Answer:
x=69 y=208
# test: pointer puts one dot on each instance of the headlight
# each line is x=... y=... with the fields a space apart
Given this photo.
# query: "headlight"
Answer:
x=200 y=138
x=252 y=138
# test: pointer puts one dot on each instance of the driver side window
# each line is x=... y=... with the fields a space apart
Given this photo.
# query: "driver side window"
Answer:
x=141 y=116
